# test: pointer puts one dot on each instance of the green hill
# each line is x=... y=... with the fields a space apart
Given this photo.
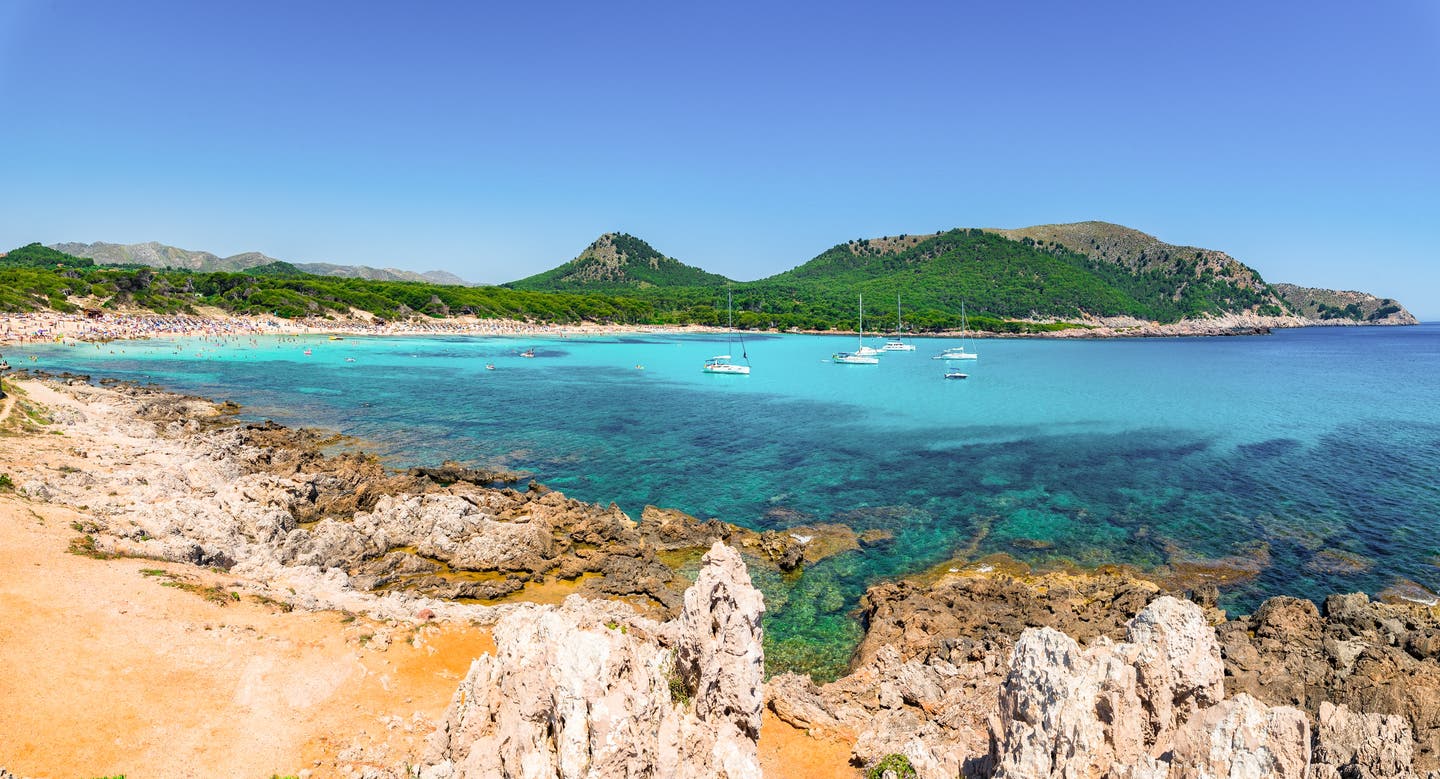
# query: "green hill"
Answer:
x=1022 y=277
x=619 y=262
x=1032 y=279
x=276 y=268
x=38 y=256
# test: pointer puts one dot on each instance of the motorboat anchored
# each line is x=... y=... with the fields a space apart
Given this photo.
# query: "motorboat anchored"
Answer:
x=851 y=358
x=956 y=375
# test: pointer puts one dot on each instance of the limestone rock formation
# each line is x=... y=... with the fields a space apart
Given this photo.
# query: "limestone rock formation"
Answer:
x=1376 y=657
x=1150 y=707
x=1363 y=746
x=1241 y=738
x=719 y=653
x=590 y=689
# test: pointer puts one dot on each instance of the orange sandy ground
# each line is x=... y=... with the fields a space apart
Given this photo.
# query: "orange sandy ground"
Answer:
x=105 y=671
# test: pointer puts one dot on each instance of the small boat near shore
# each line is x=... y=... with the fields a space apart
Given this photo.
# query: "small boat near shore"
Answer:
x=720 y=363
x=958 y=352
x=528 y=352
x=863 y=350
x=897 y=344
x=956 y=375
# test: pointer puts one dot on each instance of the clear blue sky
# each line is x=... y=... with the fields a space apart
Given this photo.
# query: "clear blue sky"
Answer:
x=497 y=139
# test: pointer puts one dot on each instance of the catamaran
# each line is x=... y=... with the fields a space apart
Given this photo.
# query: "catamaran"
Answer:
x=720 y=363
x=958 y=352
x=896 y=344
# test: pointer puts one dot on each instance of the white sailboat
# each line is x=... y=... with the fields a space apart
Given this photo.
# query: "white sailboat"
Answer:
x=958 y=352
x=862 y=349
x=850 y=358
x=863 y=355
x=896 y=344
x=720 y=363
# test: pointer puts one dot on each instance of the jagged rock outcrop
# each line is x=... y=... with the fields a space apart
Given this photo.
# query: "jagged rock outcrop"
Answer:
x=926 y=677
x=590 y=689
x=1241 y=738
x=269 y=502
x=1363 y=746
x=719 y=651
x=1149 y=707
x=1381 y=658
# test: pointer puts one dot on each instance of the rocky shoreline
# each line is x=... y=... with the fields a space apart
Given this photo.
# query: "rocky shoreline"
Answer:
x=967 y=674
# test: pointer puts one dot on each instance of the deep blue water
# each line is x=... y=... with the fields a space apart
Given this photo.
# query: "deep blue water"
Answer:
x=1127 y=451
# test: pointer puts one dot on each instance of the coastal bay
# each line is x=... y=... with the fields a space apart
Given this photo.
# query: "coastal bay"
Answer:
x=1178 y=457
x=277 y=523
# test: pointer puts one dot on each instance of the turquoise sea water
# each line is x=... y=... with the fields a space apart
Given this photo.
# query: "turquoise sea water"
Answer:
x=1132 y=451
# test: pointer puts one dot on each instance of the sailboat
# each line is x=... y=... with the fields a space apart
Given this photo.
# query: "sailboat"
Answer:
x=720 y=363
x=896 y=344
x=862 y=349
x=958 y=352
x=863 y=355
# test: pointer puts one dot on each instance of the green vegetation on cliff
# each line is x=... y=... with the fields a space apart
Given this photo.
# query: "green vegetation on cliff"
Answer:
x=1330 y=304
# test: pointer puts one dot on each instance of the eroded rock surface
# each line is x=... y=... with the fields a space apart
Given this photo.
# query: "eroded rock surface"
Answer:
x=186 y=482
x=1378 y=658
x=590 y=689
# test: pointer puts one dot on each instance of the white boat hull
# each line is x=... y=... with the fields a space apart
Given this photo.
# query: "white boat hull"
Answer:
x=741 y=370
x=854 y=359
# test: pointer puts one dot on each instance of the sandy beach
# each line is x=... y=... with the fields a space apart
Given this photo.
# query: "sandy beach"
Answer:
x=48 y=327
x=30 y=328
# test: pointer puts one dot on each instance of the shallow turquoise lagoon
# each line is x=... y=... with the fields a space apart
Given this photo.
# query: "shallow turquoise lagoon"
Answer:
x=1130 y=451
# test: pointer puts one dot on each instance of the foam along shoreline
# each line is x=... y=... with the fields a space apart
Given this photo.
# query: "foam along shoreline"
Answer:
x=160 y=476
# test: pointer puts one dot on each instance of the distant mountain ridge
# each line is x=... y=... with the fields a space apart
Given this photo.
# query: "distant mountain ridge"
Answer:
x=159 y=255
x=619 y=260
x=1076 y=272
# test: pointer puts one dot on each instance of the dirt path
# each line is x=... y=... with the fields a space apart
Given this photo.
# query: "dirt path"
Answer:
x=5 y=406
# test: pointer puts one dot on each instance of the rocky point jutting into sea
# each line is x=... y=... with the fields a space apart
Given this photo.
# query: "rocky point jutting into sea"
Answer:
x=657 y=668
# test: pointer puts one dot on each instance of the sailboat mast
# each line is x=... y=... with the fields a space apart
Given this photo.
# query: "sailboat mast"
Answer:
x=729 y=318
x=861 y=338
